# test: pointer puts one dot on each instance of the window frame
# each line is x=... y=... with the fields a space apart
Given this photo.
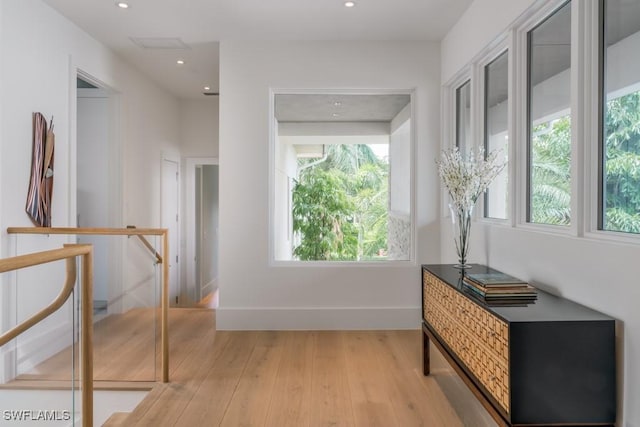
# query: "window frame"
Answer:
x=587 y=115
x=457 y=92
x=450 y=107
x=521 y=96
x=514 y=40
x=449 y=122
x=595 y=88
x=273 y=262
x=529 y=119
x=501 y=45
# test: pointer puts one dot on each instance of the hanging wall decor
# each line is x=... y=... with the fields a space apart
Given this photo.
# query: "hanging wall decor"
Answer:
x=40 y=192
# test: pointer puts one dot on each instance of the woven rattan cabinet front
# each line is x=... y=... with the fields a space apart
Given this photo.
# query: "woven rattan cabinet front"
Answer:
x=522 y=361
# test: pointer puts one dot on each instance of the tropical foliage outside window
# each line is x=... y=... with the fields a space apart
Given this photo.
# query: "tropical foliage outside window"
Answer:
x=619 y=203
x=621 y=185
x=551 y=172
x=340 y=205
x=551 y=148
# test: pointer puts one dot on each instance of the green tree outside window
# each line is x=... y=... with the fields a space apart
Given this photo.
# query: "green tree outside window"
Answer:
x=340 y=206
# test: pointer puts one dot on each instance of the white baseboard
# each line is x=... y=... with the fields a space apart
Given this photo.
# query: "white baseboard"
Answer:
x=313 y=318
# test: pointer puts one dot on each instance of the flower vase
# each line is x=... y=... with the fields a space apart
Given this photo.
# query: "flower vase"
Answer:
x=461 y=221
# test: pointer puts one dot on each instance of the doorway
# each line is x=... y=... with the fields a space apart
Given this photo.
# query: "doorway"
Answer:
x=206 y=230
x=202 y=229
x=96 y=186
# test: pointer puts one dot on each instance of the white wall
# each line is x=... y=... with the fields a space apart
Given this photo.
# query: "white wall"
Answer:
x=199 y=127
x=599 y=274
x=254 y=294
x=45 y=51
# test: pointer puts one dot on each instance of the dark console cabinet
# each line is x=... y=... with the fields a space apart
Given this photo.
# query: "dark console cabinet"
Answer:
x=547 y=363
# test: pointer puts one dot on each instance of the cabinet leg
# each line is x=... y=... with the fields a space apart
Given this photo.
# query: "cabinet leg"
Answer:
x=426 y=365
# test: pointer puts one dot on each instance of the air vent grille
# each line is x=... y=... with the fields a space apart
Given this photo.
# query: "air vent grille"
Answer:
x=159 y=42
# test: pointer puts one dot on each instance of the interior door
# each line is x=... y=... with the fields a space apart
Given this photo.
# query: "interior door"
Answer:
x=170 y=218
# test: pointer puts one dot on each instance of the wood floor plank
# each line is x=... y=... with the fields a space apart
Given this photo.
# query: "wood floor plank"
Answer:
x=186 y=338
x=291 y=401
x=368 y=385
x=123 y=346
x=184 y=385
x=250 y=402
x=468 y=409
x=413 y=404
x=117 y=419
x=218 y=386
x=331 y=400
x=443 y=380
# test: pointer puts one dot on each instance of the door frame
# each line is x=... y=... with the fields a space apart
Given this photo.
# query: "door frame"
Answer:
x=189 y=215
x=115 y=149
x=116 y=190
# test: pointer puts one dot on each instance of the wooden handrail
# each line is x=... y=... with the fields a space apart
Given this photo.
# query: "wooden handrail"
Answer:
x=131 y=230
x=30 y=260
x=87 y=230
x=148 y=245
x=164 y=303
x=69 y=253
x=70 y=280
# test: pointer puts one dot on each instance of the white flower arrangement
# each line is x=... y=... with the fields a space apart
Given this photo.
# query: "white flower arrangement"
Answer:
x=467 y=178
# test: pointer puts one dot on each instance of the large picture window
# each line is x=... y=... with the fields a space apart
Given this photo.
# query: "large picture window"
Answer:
x=342 y=177
x=549 y=120
x=496 y=131
x=620 y=149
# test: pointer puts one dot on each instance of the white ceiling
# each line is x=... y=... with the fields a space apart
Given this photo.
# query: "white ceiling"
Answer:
x=201 y=24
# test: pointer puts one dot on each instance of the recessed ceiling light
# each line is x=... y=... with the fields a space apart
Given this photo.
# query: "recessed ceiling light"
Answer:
x=349 y=4
x=207 y=88
x=180 y=62
x=337 y=103
x=336 y=115
x=122 y=4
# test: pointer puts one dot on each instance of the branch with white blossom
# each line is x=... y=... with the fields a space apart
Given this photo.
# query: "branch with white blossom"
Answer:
x=467 y=178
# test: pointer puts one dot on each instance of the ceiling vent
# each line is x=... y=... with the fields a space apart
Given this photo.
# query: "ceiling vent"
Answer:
x=211 y=93
x=159 y=42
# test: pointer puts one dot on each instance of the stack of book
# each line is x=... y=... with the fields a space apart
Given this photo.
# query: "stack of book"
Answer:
x=499 y=289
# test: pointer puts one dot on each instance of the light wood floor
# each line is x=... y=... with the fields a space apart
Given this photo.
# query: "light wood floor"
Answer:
x=314 y=378
x=124 y=350
x=302 y=378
